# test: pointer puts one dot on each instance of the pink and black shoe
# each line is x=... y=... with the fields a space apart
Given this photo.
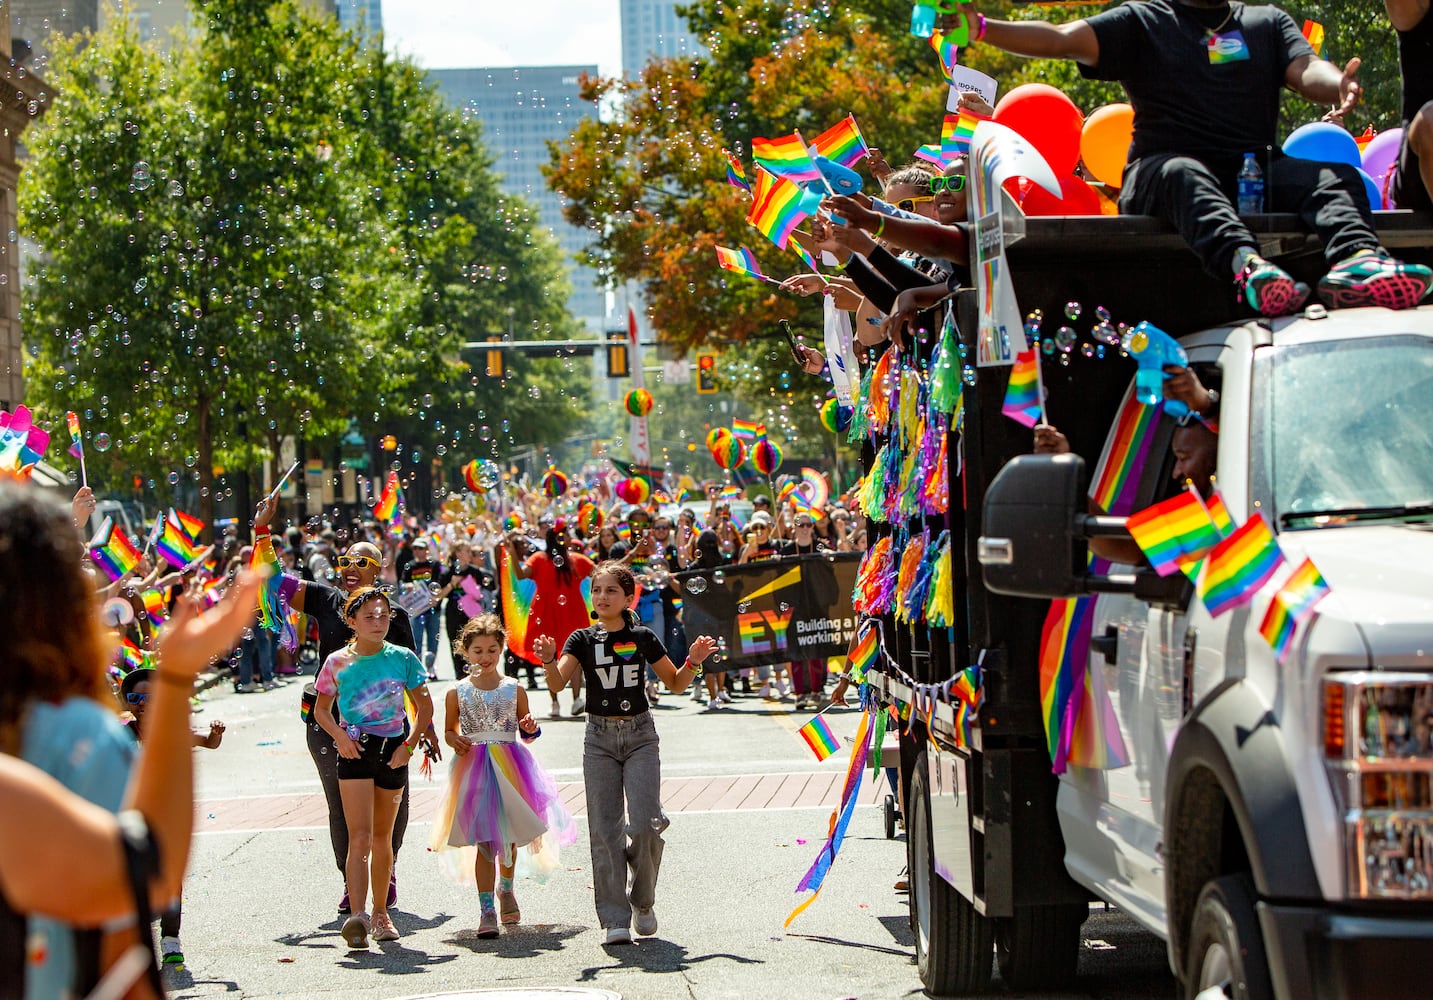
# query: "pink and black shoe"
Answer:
x=1375 y=279
x=1269 y=289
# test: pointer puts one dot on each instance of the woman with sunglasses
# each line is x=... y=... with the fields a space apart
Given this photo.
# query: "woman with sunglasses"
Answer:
x=357 y=570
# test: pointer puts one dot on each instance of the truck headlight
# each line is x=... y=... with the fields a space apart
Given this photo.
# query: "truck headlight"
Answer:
x=1378 y=749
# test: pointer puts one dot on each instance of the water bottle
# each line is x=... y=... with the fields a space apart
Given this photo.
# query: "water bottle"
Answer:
x=923 y=19
x=1251 y=186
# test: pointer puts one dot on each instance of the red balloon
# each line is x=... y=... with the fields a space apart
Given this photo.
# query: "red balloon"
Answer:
x=1079 y=198
x=1048 y=120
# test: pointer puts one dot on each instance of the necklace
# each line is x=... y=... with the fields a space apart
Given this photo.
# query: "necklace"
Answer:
x=1211 y=33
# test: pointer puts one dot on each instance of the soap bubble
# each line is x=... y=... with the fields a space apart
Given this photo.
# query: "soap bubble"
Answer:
x=1047 y=347
x=1065 y=339
x=1073 y=311
x=696 y=585
x=140 y=178
x=102 y=441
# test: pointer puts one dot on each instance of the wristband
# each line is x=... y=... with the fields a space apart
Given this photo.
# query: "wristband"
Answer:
x=549 y=663
x=529 y=737
x=979 y=28
x=262 y=532
x=695 y=668
x=880 y=228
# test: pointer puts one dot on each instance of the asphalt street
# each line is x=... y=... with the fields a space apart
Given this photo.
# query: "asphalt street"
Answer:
x=749 y=805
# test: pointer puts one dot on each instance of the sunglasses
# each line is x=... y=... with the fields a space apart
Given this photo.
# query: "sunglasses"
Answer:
x=805 y=524
x=356 y=562
x=909 y=204
x=136 y=698
x=954 y=185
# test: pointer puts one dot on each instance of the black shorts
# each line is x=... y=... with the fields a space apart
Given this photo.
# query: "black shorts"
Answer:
x=371 y=764
x=1408 y=190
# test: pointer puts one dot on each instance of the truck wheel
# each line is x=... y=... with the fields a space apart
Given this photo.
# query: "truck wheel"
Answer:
x=1226 y=949
x=1039 y=947
x=953 y=941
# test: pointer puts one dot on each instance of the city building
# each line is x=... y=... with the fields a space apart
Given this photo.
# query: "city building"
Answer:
x=652 y=29
x=363 y=17
x=521 y=110
x=33 y=21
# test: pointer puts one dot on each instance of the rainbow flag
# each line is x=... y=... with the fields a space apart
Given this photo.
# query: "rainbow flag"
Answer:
x=957 y=131
x=1173 y=531
x=133 y=656
x=1118 y=475
x=1022 y=396
x=175 y=547
x=187 y=523
x=1314 y=35
x=1064 y=658
x=154 y=606
x=516 y=595
x=947 y=49
x=213 y=590
x=843 y=143
x=735 y=175
x=748 y=430
x=931 y=153
x=730 y=493
x=1240 y=565
x=1219 y=514
x=819 y=738
x=775 y=207
x=387 y=507
x=741 y=261
x=1095 y=738
x=785 y=156
x=805 y=255
x=865 y=654
x=77 y=445
x=112 y=551
x=1291 y=606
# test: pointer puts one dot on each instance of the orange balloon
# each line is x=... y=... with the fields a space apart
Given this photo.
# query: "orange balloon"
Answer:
x=1104 y=142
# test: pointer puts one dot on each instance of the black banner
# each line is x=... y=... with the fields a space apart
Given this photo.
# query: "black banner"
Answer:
x=775 y=610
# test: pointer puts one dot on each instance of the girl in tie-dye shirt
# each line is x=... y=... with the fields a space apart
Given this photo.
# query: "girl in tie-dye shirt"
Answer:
x=367 y=678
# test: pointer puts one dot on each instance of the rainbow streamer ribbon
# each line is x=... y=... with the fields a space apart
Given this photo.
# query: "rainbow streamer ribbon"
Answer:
x=840 y=818
x=843 y=143
x=517 y=596
x=775 y=207
x=77 y=444
x=735 y=174
x=740 y=260
x=819 y=738
x=112 y=550
x=1240 y=565
x=1291 y=606
x=1022 y=396
x=1174 y=531
x=785 y=156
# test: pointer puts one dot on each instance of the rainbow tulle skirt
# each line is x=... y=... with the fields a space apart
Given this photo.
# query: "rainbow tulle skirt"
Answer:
x=500 y=803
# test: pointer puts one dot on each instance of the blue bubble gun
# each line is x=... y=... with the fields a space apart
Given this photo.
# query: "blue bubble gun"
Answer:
x=1152 y=348
x=924 y=13
x=839 y=179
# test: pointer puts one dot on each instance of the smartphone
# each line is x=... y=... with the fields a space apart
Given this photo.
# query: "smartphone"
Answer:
x=797 y=351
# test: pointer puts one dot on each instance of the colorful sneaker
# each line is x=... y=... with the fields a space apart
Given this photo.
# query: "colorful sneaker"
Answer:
x=383 y=928
x=507 y=906
x=1375 y=279
x=171 y=953
x=488 y=925
x=355 y=931
x=1269 y=289
x=343 y=906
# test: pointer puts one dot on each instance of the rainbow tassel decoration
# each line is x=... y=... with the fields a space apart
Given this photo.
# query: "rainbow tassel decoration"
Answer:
x=875 y=565
x=861 y=417
x=819 y=738
x=908 y=606
x=879 y=402
x=940 y=604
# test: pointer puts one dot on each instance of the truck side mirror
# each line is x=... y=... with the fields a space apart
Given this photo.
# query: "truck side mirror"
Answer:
x=1030 y=546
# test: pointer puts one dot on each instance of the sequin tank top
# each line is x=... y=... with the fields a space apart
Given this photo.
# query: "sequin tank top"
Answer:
x=488 y=716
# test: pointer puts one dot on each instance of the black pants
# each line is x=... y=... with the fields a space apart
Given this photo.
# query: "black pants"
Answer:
x=1198 y=199
x=1408 y=189
x=327 y=765
x=169 y=921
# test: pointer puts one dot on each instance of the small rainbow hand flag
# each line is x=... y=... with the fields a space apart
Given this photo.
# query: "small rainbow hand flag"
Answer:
x=387 y=507
x=843 y=143
x=741 y=260
x=1173 y=531
x=187 y=523
x=931 y=153
x=77 y=445
x=864 y=655
x=957 y=131
x=1022 y=396
x=819 y=738
x=1219 y=514
x=785 y=156
x=112 y=551
x=154 y=607
x=175 y=546
x=735 y=174
x=747 y=430
x=1239 y=565
x=775 y=207
x=1314 y=35
x=947 y=48
x=1291 y=606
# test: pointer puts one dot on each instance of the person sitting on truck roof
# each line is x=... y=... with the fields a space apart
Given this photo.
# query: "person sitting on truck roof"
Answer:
x=1204 y=78
x=1413 y=181
x=1195 y=447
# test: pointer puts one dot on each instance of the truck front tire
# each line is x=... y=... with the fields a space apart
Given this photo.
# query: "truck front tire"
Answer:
x=1226 y=948
x=954 y=944
x=1039 y=947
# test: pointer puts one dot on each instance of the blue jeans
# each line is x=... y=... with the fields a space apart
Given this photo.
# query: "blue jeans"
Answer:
x=622 y=772
x=259 y=649
x=425 y=637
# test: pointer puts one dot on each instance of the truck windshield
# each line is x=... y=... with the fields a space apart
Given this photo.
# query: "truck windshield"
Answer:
x=1347 y=431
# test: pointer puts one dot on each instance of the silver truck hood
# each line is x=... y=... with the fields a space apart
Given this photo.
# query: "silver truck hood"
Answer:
x=1380 y=579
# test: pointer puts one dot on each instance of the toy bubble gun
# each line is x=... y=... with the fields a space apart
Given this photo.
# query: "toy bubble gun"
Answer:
x=1152 y=348
x=924 y=13
x=836 y=180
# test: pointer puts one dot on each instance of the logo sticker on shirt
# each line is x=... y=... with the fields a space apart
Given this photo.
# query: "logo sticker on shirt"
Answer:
x=1227 y=48
x=626 y=650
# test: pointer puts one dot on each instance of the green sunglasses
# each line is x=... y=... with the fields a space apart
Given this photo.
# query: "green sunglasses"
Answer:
x=954 y=185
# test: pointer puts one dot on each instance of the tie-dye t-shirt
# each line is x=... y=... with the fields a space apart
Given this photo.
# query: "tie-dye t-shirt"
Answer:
x=369 y=689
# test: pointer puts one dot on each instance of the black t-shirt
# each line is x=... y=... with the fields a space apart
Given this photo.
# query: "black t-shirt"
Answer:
x=425 y=572
x=790 y=547
x=1415 y=60
x=1183 y=102
x=324 y=604
x=612 y=666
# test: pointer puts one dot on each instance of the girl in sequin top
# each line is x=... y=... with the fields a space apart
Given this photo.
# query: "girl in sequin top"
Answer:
x=499 y=798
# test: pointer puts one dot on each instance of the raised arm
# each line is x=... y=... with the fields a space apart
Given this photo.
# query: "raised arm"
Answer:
x=559 y=671
x=1041 y=40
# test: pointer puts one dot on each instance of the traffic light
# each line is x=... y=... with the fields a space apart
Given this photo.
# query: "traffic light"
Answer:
x=618 y=365
x=495 y=359
x=706 y=373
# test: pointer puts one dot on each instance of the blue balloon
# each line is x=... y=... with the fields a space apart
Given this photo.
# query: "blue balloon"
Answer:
x=1375 y=196
x=1325 y=142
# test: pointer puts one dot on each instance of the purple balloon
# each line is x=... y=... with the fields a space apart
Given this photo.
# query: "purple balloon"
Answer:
x=1380 y=156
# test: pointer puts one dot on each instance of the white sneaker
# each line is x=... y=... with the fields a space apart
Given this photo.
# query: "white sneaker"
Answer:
x=618 y=935
x=645 y=921
x=725 y=696
x=556 y=712
x=782 y=689
x=249 y=688
x=579 y=705
x=713 y=705
x=766 y=691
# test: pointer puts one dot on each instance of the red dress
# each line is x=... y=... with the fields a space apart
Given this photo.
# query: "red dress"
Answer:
x=558 y=607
